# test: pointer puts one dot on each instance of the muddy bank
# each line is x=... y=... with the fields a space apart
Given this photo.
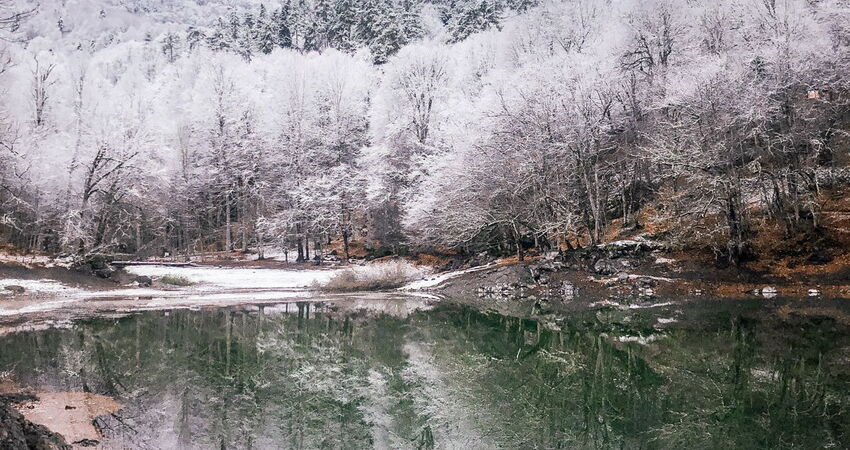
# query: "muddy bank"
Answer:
x=19 y=433
x=50 y=420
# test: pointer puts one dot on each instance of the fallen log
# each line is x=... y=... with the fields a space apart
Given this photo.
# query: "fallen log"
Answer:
x=153 y=263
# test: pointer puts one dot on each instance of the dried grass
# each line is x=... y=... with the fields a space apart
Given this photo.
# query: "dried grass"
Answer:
x=374 y=277
x=176 y=280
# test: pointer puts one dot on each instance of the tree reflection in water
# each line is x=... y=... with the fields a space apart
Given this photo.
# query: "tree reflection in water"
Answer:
x=306 y=375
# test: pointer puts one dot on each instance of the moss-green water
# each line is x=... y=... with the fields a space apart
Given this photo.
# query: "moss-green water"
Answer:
x=311 y=376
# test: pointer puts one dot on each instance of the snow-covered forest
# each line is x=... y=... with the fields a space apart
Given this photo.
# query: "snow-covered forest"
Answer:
x=181 y=126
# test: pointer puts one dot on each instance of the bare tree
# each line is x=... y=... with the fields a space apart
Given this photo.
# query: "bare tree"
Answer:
x=41 y=86
x=420 y=82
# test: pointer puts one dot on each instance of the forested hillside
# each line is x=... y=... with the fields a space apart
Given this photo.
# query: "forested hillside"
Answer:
x=183 y=126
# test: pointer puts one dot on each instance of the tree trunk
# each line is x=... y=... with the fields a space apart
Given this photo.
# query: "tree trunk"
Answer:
x=520 y=254
x=228 y=245
x=317 y=250
x=138 y=235
x=260 y=250
x=345 y=245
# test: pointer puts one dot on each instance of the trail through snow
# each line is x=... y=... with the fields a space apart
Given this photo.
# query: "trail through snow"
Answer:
x=436 y=280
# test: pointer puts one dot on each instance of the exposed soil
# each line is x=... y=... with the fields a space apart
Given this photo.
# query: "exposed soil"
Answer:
x=70 y=414
x=50 y=420
x=19 y=433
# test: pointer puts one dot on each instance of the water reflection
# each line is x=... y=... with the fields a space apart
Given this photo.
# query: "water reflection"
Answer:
x=306 y=375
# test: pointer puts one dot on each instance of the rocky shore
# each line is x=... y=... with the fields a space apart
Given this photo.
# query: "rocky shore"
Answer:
x=636 y=271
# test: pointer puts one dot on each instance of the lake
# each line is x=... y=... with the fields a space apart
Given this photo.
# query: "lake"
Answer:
x=423 y=374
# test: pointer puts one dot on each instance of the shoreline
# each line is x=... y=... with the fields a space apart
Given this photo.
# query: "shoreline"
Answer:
x=629 y=271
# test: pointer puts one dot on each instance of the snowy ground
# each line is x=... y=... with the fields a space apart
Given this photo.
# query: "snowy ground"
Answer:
x=234 y=278
x=213 y=286
x=436 y=280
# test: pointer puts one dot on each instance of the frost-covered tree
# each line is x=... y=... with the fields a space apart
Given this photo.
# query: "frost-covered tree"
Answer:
x=546 y=126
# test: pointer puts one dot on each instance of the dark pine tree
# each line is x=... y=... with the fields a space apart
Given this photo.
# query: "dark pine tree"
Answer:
x=388 y=34
x=218 y=39
x=473 y=16
x=323 y=24
x=411 y=21
x=345 y=25
x=266 y=32
x=284 y=36
x=194 y=37
x=171 y=46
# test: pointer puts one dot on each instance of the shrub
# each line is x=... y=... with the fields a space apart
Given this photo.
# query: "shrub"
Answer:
x=176 y=280
x=374 y=277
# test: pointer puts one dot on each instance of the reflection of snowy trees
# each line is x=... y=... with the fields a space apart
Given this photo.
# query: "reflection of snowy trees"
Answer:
x=297 y=376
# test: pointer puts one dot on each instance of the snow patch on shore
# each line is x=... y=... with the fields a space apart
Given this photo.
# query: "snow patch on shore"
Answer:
x=43 y=286
x=236 y=278
x=436 y=280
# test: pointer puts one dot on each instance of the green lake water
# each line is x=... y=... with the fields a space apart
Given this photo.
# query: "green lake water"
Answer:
x=721 y=374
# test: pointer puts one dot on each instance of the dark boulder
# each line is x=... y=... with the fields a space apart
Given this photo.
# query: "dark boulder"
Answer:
x=97 y=265
x=819 y=257
x=628 y=248
x=606 y=266
x=15 y=289
x=144 y=281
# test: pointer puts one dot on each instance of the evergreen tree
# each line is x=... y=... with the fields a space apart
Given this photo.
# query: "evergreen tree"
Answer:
x=310 y=39
x=218 y=39
x=323 y=24
x=247 y=37
x=281 y=22
x=411 y=22
x=248 y=23
x=389 y=36
x=235 y=27
x=345 y=26
x=447 y=12
x=170 y=46
x=300 y=21
x=194 y=37
x=472 y=17
x=266 y=32
x=368 y=13
x=522 y=5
